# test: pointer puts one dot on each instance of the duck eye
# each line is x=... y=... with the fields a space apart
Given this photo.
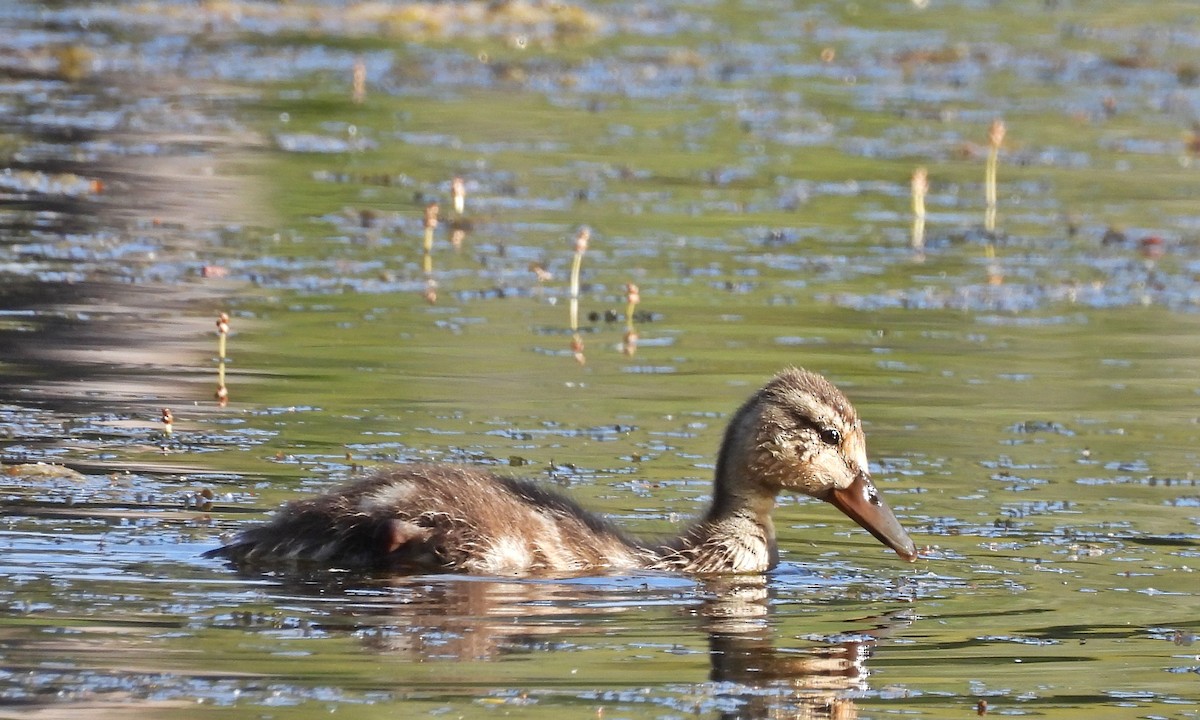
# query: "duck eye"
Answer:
x=831 y=436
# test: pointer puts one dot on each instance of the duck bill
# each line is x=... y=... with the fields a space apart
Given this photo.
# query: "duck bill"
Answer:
x=863 y=504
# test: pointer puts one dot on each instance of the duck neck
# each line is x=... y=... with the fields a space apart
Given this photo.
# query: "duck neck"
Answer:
x=737 y=499
x=735 y=490
x=731 y=500
x=736 y=533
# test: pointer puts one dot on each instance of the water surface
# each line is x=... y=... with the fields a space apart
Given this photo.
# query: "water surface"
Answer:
x=1029 y=395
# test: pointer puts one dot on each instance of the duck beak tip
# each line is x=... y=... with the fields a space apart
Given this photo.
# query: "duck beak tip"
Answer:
x=861 y=502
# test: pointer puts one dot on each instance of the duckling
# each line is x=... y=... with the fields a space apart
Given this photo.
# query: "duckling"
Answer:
x=798 y=434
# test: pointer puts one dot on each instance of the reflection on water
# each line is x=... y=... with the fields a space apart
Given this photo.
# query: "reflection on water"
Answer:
x=753 y=671
x=819 y=681
x=112 y=208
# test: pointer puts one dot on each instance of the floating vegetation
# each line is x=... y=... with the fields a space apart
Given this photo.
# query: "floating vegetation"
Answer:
x=539 y=22
x=23 y=183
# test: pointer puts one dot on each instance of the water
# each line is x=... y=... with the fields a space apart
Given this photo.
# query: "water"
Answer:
x=1030 y=413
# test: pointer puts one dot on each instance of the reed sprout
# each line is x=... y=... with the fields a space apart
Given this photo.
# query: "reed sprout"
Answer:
x=577 y=348
x=995 y=140
x=222 y=393
x=431 y=223
x=542 y=276
x=359 y=82
x=458 y=193
x=581 y=245
x=459 y=225
x=920 y=188
x=994 y=275
x=632 y=298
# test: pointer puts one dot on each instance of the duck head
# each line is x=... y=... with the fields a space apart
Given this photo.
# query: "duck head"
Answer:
x=800 y=434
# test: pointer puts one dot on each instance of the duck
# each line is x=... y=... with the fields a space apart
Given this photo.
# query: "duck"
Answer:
x=797 y=434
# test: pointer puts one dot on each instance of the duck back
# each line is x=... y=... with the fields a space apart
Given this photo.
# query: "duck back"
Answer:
x=436 y=518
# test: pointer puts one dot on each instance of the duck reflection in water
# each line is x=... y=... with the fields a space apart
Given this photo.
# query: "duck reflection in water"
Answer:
x=763 y=681
x=461 y=619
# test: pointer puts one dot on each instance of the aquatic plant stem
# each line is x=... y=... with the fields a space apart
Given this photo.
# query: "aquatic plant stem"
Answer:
x=458 y=192
x=994 y=274
x=431 y=223
x=995 y=139
x=920 y=187
x=581 y=244
x=222 y=393
x=632 y=297
x=359 y=82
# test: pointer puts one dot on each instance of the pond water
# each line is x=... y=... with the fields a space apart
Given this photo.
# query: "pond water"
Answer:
x=1029 y=394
